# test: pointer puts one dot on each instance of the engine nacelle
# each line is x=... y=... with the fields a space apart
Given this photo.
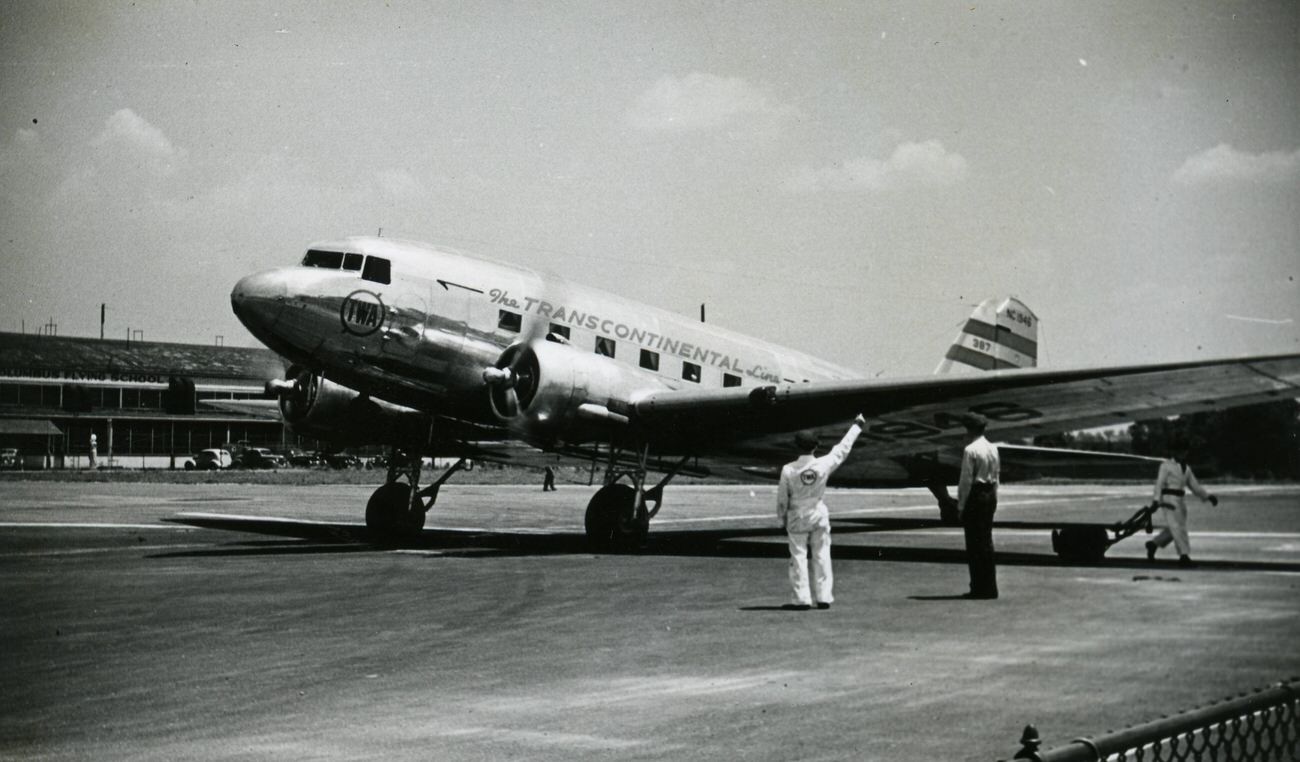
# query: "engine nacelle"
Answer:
x=549 y=391
x=316 y=407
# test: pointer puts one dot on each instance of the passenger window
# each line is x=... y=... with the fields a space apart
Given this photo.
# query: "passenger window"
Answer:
x=509 y=321
x=604 y=346
x=730 y=380
x=331 y=260
x=691 y=372
x=649 y=359
x=378 y=270
x=352 y=261
x=558 y=333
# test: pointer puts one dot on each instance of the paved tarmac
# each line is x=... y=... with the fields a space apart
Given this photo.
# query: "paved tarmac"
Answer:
x=498 y=636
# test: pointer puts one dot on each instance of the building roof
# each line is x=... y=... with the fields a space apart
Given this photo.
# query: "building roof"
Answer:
x=29 y=426
x=34 y=354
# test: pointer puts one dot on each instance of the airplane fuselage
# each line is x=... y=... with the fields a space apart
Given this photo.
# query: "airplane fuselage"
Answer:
x=420 y=329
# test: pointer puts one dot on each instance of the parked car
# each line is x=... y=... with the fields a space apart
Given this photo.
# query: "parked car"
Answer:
x=302 y=458
x=211 y=460
x=9 y=458
x=342 y=460
x=260 y=457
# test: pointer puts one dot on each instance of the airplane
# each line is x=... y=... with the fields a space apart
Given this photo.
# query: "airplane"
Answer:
x=436 y=352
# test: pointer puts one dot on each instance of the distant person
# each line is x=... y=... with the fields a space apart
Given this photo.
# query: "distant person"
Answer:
x=801 y=511
x=977 y=499
x=548 y=480
x=94 y=449
x=1173 y=480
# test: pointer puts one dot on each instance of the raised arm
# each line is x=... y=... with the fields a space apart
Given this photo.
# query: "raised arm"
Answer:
x=841 y=451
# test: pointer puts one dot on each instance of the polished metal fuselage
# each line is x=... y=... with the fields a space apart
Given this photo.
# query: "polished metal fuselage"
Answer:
x=423 y=339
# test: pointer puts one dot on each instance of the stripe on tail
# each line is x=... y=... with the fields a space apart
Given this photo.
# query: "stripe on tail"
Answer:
x=1001 y=333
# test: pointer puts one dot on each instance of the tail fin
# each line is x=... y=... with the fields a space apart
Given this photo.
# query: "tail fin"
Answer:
x=1001 y=333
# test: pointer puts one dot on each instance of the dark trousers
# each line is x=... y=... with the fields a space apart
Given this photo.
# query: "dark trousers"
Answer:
x=977 y=520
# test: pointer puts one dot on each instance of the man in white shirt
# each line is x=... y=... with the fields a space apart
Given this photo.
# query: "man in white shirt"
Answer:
x=977 y=499
x=1173 y=480
x=800 y=509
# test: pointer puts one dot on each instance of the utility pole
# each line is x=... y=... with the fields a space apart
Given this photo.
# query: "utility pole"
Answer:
x=102 y=306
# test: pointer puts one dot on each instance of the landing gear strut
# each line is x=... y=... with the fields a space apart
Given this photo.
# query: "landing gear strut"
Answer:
x=618 y=516
x=396 y=510
x=947 y=504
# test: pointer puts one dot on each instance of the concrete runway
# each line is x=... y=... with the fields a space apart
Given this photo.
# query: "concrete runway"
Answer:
x=499 y=636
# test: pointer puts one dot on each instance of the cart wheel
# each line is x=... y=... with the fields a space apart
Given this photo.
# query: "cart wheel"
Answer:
x=1081 y=544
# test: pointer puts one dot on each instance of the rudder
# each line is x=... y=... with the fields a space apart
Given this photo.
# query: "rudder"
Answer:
x=1001 y=333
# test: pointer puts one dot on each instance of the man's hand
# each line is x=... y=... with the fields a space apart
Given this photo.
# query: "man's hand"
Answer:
x=1214 y=501
x=860 y=420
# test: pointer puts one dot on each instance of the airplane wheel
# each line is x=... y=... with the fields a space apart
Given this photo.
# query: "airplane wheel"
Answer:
x=1080 y=544
x=610 y=521
x=388 y=513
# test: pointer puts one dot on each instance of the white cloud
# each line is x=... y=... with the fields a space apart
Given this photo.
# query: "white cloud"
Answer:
x=129 y=160
x=130 y=134
x=703 y=102
x=1223 y=163
x=926 y=164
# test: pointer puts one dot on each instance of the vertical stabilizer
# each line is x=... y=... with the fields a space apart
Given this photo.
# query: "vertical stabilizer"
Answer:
x=1001 y=333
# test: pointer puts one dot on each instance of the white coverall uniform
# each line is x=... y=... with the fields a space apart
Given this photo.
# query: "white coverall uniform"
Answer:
x=1172 y=482
x=799 y=506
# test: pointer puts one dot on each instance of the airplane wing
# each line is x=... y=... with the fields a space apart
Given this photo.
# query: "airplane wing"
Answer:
x=910 y=416
x=258 y=408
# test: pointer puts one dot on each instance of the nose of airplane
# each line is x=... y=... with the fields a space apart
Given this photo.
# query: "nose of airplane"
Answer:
x=257 y=300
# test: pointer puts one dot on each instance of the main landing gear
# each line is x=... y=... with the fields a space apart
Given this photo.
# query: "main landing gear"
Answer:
x=396 y=511
x=618 y=515
x=947 y=504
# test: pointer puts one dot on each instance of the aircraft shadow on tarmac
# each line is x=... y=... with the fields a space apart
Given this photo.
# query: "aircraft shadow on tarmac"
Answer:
x=309 y=537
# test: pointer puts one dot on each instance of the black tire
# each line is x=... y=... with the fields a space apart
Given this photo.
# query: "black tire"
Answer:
x=1080 y=544
x=388 y=513
x=610 y=521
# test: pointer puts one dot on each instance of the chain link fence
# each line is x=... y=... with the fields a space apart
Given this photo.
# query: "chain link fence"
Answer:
x=1263 y=726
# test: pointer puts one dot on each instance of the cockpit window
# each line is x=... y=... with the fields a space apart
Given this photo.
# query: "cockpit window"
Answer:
x=331 y=260
x=378 y=269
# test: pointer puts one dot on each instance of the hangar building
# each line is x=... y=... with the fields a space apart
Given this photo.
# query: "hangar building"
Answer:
x=149 y=404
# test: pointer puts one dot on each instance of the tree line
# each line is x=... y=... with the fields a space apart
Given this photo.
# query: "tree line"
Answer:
x=1254 y=442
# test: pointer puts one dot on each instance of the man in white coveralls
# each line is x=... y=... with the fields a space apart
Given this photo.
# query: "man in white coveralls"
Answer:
x=1172 y=482
x=801 y=511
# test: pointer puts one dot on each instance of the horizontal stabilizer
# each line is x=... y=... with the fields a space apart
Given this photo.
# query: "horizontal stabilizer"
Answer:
x=1023 y=462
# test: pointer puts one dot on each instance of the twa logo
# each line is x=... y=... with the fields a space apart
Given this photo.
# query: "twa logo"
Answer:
x=362 y=313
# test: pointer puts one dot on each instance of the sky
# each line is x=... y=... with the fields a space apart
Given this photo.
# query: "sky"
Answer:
x=846 y=178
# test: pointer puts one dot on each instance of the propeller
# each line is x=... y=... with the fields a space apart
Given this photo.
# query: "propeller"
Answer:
x=296 y=391
x=513 y=379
